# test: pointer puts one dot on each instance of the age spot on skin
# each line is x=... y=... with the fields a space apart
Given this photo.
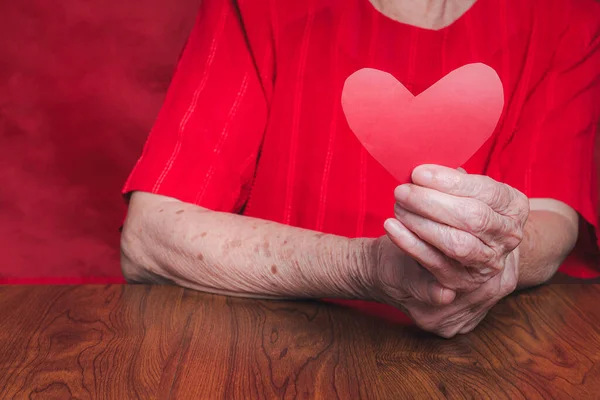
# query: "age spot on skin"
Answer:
x=161 y=210
x=198 y=236
x=179 y=212
x=273 y=269
x=266 y=248
x=200 y=256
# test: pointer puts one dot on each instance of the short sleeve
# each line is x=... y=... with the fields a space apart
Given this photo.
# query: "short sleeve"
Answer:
x=204 y=145
x=551 y=153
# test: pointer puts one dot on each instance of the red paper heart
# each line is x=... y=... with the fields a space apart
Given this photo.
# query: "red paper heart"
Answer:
x=444 y=125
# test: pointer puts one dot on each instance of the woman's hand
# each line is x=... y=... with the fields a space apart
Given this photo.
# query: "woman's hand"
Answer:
x=462 y=228
x=400 y=281
x=452 y=251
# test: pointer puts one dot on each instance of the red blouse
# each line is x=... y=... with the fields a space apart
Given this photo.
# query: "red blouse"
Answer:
x=253 y=123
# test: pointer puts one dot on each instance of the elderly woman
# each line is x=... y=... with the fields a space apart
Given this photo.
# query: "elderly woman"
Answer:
x=252 y=184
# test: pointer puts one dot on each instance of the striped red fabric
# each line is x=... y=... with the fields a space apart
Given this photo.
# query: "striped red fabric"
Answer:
x=253 y=124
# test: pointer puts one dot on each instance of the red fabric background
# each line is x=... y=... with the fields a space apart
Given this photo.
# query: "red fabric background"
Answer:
x=80 y=86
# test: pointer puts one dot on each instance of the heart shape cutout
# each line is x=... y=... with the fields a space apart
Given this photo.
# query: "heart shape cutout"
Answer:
x=445 y=125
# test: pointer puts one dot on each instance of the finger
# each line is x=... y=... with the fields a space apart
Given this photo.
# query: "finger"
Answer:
x=460 y=246
x=418 y=280
x=460 y=326
x=463 y=315
x=510 y=275
x=449 y=320
x=500 y=197
x=463 y=213
x=482 y=300
x=430 y=318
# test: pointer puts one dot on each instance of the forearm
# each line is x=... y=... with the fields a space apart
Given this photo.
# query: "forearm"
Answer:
x=235 y=255
x=549 y=238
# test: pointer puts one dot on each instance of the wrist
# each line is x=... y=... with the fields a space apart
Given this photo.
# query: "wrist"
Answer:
x=363 y=254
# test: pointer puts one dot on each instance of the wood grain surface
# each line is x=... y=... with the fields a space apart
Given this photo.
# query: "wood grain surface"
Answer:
x=163 y=342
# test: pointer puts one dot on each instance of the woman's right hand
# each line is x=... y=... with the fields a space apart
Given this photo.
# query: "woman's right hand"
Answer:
x=398 y=278
x=400 y=281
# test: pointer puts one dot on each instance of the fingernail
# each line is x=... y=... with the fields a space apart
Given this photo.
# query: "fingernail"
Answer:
x=423 y=174
x=446 y=296
x=393 y=227
x=426 y=175
x=436 y=293
x=402 y=192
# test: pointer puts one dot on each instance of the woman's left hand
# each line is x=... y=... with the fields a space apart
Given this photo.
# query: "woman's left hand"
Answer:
x=462 y=228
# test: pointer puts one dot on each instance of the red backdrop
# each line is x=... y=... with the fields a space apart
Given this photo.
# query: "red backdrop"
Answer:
x=80 y=85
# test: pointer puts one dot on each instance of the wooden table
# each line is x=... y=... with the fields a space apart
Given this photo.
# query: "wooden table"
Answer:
x=130 y=342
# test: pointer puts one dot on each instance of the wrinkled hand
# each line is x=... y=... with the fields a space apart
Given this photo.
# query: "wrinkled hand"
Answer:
x=401 y=282
x=462 y=228
x=456 y=239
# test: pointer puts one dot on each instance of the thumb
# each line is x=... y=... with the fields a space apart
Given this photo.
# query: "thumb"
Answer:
x=423 y=286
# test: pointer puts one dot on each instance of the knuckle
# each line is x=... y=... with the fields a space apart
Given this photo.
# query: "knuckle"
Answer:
x=472 y=281
x=456 y=244
x=489 y=258
x=512 y=242
x=461 y=251
x=515 y=228
x=493 y=191
x=497 y=267
x=461 y=247
x=494 y=266
x=480 y=219
x=479 y=275
x=498 y=195
x=513 y=235
x=519 y=204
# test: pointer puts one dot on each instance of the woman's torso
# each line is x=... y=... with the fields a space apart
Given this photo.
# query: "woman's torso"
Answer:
x=312 y=171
